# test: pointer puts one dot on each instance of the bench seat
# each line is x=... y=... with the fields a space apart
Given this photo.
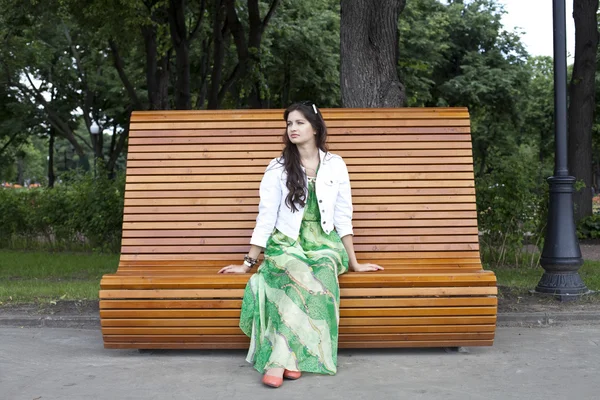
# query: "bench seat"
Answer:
x=191 y=202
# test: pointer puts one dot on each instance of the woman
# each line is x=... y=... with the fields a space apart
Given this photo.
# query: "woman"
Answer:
x=290 y=309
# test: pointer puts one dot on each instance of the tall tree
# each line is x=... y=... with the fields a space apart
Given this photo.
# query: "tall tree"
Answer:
x=181 y=42
x=248 y=47
x=582 y=94
x=369 y=53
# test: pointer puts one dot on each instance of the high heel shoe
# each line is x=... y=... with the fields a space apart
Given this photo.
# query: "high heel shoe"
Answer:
x=291 y=374
x=272 y=381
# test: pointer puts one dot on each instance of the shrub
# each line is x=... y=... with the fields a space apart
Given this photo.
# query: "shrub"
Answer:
x=81 y=213
x=512 y=207
x=589 y=227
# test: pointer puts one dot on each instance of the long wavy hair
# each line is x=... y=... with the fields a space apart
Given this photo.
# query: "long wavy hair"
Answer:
x=296 y=182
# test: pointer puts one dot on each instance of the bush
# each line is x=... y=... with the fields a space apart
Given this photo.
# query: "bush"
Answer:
x=589 y=227
x=512 y=207
x=81 y=213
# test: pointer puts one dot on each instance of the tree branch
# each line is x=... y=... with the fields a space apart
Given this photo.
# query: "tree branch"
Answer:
x=229 y=81
x=237 y=31
x=267 y=18
x=54 y=119
x=120 y=67
x=198 y=22
x=87 y=95
x=9 y=142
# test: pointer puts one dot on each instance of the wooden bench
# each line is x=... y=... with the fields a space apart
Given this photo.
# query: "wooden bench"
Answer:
x=191 y=201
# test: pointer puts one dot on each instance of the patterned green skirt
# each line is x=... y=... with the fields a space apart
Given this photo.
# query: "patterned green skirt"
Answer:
x=290 y=309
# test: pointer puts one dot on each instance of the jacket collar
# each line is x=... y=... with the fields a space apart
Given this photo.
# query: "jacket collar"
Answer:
x=322 y=155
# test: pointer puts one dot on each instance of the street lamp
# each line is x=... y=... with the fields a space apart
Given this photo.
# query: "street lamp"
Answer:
x=95 y=131
x=561 y=256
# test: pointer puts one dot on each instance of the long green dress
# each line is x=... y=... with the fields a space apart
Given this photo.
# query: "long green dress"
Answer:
x=290 y=309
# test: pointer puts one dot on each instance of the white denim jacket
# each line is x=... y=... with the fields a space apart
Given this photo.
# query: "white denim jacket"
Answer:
x=333 y=195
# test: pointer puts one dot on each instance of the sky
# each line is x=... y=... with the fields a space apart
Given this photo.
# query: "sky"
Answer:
x=534 y=18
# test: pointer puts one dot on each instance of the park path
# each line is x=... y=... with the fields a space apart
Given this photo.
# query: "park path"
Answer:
x=559 y=362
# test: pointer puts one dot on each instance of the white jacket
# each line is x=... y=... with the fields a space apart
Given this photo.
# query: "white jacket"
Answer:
x=333 y=196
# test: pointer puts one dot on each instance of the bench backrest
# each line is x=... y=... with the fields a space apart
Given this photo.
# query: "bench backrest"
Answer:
x=192 y=184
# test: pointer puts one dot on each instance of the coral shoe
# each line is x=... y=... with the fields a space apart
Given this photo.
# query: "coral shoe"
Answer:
x=272 y=381
x=291 y=374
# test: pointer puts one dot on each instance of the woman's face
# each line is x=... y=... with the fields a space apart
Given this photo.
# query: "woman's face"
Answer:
x=299 y=130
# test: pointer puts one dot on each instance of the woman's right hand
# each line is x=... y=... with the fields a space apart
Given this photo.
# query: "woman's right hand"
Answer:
x=234 y=269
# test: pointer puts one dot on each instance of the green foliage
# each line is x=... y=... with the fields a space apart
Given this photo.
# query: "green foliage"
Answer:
x=589 y=227
x=511 y=205
x=300 y=53
x=82 y=213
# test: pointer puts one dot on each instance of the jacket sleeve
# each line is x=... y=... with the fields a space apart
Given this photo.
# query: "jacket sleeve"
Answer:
x=268 y=208
x=342 y=215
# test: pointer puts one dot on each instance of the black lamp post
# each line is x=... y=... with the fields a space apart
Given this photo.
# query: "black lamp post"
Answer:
x=95 y=131
x=561 y=256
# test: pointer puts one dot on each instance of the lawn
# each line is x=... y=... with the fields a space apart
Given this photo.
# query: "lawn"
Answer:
x=528 y=278
x=38 y=277
x=27 y=277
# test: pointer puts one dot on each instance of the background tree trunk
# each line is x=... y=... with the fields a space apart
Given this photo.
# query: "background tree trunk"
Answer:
x=369 y=53
x=51 y=176
x=582 y=93
x=219 y=31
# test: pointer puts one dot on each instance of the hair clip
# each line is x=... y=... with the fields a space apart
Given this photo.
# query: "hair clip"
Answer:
x=315 y=108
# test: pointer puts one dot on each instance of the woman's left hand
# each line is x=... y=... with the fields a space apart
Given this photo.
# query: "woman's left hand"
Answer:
x=367 y=267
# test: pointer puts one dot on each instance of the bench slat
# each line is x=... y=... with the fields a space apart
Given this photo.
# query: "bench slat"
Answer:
x=343 y=345
x=344 y=338
x=147 y=160
x=278 y=147
x=415 y=215
x=344 y=303
x=395 y=263
x=213 y=281
x=120 y=326
x=344 y=312
x=345 y=292
x=198 y=331
x=277 y=124
x=162 y=241
x=361 y=256
x=276 y=115
x=436 y=135
x=334 y=135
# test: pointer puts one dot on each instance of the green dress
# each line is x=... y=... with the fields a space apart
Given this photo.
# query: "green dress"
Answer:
x=290 y=309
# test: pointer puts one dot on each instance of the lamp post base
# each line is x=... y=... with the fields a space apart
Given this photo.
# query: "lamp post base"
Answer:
x=564 y=286
x=561 y=256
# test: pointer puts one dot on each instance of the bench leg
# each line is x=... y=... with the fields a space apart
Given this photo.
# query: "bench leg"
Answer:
x=459 y=349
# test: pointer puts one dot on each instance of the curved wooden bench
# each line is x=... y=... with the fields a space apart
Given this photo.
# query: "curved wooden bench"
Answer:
x=191 y=201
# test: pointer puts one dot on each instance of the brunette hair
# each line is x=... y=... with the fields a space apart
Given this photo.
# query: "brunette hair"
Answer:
x=296 y=182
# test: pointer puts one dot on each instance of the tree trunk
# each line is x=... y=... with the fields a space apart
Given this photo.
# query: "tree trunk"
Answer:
x=219 y=23
x=21 y=168
x=582 y=93
x=157 y=70
x=51 y=176
x=120 y=145
x=183 y=100
x=151 y=67
x=248 y=49
x=369 y=53
x=162 y=80
x=119 y=65
x=203 y=86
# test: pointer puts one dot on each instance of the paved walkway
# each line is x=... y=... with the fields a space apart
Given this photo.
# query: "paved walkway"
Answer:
x=557 y=362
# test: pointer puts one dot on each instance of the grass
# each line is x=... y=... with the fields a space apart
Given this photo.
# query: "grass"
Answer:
x=41 y=277
x=528 y=277
x=38 y=277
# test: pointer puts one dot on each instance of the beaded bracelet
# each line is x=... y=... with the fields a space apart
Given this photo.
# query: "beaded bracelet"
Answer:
x=249 y=261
